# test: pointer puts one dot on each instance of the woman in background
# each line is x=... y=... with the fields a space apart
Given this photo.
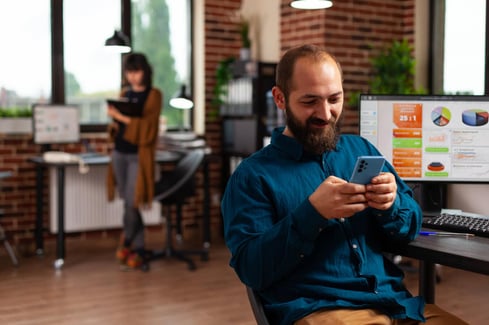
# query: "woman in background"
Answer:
x=132 y=168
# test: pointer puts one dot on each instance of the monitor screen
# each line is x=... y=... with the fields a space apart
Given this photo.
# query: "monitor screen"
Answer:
x=55 y=124
x=430 y=138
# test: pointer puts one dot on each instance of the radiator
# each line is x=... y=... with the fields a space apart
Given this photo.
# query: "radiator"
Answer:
x=86 y=205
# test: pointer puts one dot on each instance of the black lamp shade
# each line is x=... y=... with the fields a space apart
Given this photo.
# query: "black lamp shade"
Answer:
x=119 y=42
x=182 y=100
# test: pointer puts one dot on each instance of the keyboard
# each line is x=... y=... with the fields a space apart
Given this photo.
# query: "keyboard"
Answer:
x=464 y=222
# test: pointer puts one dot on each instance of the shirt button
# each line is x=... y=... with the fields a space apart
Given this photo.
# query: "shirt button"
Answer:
x=354 y=246
x=320 y=229
x=342 y=219
x=301 y=255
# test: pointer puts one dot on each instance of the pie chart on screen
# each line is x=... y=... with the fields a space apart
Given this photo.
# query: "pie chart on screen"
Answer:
x=436 y=166
x=441 y=116
x=475 y=117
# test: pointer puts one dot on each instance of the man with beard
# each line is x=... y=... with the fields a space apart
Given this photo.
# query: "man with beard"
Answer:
x=308 y=241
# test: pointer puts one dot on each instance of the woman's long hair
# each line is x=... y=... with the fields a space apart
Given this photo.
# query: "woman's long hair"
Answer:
x=138 y=61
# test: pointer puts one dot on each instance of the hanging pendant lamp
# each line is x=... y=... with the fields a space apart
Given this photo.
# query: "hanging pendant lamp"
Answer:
x=118 y=42
x=182 y=100
x=311 y=4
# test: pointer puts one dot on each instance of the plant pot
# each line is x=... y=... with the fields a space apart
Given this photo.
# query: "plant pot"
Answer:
x=245 y=54
x=15 y=125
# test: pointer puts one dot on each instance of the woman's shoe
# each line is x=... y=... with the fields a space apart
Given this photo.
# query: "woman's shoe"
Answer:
x=122 y=254
x=135 y=261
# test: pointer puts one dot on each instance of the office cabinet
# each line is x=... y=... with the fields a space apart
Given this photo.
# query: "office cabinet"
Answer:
x=249 y=113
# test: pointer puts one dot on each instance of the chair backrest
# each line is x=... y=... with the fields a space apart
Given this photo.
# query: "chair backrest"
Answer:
x=171 y=183
x=257 y=307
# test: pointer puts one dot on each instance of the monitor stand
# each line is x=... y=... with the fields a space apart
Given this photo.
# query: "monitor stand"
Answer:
x=431 y=196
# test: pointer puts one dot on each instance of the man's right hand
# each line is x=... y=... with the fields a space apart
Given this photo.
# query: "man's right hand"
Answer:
x=336 y=198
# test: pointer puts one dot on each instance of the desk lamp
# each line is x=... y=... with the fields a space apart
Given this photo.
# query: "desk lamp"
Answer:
x=182 y=100
x=311 y=4
x=118 y=42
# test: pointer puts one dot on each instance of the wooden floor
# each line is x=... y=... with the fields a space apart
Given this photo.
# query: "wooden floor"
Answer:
x=91 y=289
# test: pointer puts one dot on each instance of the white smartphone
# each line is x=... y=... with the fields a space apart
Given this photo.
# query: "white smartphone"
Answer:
x=366 y=168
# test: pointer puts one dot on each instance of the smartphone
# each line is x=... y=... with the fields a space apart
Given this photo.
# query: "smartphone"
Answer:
x=366 y=168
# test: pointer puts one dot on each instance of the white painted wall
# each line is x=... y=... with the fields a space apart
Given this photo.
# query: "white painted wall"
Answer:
x=421 y=42
x=264 y=17
x=199 y=70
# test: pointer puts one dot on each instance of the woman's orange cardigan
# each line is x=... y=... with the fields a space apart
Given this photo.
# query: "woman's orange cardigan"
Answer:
x=143 y=132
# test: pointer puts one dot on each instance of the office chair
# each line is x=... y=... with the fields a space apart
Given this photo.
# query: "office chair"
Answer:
x=8 y=248
x=3 y=236
x=257 y=307
x=173 y=189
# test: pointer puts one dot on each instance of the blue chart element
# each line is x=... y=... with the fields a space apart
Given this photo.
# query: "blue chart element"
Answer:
x=475 y=117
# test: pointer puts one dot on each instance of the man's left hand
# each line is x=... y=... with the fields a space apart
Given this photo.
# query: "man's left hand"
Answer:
x=381 y=192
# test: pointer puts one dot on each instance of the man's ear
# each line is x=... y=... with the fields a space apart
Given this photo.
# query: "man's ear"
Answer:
x=278 y=97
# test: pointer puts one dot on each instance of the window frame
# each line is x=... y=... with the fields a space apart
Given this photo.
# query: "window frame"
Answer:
x=58 y=95
x=437 y=30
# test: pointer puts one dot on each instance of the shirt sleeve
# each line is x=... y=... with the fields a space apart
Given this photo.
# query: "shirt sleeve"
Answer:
x=265 y=247
x=402 y=221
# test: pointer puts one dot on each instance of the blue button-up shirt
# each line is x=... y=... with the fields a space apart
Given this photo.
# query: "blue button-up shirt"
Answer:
x=300 y=262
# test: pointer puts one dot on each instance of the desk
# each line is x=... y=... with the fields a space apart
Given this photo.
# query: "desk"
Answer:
x=41 y=164
x=468 y=254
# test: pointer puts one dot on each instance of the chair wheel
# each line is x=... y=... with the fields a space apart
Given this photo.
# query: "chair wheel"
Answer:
x=204 y=257
x=145 y=267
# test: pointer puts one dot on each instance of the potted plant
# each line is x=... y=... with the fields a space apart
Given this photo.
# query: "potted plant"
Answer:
x=15 y=120
x=223 y=76
x=244 y=31
x=393 y=72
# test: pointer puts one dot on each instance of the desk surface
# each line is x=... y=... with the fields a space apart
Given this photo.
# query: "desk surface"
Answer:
x=5 y=174
x=161 y=156
x=468 y=254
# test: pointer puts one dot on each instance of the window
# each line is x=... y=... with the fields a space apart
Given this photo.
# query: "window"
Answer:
x=464 y=47
x=167 y=24
x=161 y=29
x=25 y=66
x=92 y=73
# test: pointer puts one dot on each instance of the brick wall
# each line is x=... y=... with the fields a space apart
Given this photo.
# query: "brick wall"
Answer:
x=18 y=193
x=353 y=30
x=221 y=42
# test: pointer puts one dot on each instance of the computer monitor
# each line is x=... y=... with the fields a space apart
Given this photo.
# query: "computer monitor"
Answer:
x=430 y=138
x=54 y=123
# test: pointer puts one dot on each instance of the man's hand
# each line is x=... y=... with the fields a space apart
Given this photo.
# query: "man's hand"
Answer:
x=336 y=198
x=381 y=192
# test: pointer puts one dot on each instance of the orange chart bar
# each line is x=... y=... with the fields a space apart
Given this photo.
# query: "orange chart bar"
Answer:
x=407 y=152
x=409 y=172
x=407 y=133
x=407 y=162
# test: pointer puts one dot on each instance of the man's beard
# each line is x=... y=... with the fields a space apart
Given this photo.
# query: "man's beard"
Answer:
x=314 y=140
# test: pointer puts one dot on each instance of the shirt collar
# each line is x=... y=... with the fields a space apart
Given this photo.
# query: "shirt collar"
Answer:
x=291 y=147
